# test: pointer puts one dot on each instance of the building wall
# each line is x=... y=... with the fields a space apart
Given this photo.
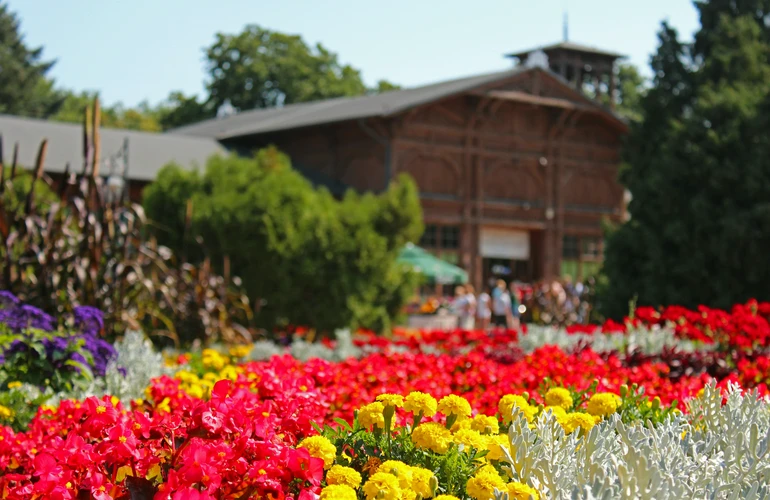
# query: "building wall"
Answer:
x=343 y=151
x=502 y=164
x=484 y=163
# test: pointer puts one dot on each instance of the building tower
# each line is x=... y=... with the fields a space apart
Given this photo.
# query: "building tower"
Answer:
x=586 y=68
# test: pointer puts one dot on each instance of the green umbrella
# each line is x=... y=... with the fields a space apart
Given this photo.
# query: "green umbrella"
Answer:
x=430 y=266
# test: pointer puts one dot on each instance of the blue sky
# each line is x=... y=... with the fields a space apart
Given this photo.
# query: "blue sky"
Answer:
x=142 y=49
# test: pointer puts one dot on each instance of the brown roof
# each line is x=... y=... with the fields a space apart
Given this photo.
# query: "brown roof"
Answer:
x=262 y=121
x=292 y=116
x=570 y=47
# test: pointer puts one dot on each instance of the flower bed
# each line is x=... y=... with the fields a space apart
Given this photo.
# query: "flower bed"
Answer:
x=464 y=415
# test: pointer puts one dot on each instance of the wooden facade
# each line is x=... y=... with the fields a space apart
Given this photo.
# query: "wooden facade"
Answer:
x=527 y=158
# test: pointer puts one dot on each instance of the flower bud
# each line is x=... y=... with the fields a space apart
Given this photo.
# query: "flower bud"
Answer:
x=623 y=390
x=656 y=403
x=433 y=484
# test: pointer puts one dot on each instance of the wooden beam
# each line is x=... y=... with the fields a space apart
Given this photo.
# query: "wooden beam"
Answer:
x=518 y=96
x=450 y=114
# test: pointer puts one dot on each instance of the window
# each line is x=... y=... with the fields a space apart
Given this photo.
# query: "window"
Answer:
x=441 y=237
x=570 y=247
x=590 y=248
x=429 y=237
x=581 y=256
x=450 y=237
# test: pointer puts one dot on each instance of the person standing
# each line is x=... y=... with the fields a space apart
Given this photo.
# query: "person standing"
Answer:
x=515 y=314
x=460 y=307
x=501 y=306
x=483 y=310
x=470 y=304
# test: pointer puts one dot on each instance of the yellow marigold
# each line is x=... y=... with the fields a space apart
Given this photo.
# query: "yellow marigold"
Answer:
x=464 y=423
x=470 y=438
x=557 y=411
x=229 y=372
x=495 y=445
x=485 y=424
x=482 y=485
x=454 y=405
x=603 y=403
x=399 y=469
x=342 y=475
x=559 y=396
x=520 y=491
x=421 y=481
x=338 y=492
x=419 y=402
x=408 y=495
x=395 y=400
x=382 y=486
x=509 y=402
x=432 y=436
x=212 y=359
x=14 y=385
x=240 y=351
x=371 y=415
x=320 y=447
x=446 y=497
x=572 y=421
x=195 y=390
x=5 y=413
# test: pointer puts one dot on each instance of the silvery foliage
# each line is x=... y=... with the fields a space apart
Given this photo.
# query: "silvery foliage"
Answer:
x=303 y=350
x=649 y=340
x=140 y=363
x=724 y=454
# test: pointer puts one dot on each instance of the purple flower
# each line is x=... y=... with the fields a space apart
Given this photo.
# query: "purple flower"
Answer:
x=88 y=323
x=20 y=317
x=89 y=320
x=8 y=299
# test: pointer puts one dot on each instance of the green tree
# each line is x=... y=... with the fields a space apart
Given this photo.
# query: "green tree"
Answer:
x=305 y=258
x=24 y=88
x=259 y=68
x=384 y=86
x=699 y=175
x=142 y=117
x=179 y=110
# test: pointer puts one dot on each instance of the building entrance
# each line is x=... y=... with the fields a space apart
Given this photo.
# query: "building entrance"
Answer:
x=505 y=255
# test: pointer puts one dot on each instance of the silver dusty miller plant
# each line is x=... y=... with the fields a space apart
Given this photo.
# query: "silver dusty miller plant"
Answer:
x=128 y=375
x=649 y=340
x=303 y=350
x=716 y=452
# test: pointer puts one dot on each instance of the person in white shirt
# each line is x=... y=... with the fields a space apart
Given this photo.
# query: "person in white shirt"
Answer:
x=501 y=306
x=483 y=310
x=470 y=308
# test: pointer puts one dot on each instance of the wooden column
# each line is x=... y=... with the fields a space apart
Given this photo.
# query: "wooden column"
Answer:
x=612 y=86
x=552 y=236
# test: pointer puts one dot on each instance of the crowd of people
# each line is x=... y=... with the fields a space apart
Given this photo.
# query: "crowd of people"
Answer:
x=502 y=305
x=497 y=306
x=560 y=302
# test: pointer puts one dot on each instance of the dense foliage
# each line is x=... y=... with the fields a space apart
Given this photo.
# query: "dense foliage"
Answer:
x=422 y=415
x=72 y=247
x=24 y=86
x=306 y=258
x=698 y=170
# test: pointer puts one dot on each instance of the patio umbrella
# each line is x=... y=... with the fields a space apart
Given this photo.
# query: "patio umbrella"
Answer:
x=434 y=269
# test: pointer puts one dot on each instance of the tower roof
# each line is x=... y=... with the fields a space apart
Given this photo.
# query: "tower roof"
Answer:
x=568 y=47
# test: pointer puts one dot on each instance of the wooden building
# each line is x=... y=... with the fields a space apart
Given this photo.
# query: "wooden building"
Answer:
x=516 y=169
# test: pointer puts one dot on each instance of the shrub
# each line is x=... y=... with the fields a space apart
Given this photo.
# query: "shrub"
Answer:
x=306 y=258
x=86 y=250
